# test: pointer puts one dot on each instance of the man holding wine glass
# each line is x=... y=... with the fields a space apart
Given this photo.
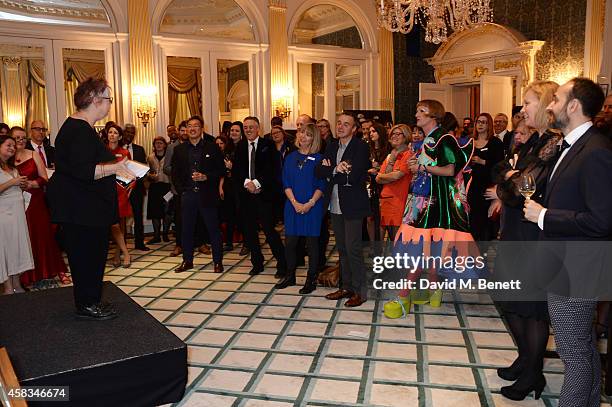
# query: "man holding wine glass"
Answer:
x=345 y=165
x=197 y=168
x=576 y=208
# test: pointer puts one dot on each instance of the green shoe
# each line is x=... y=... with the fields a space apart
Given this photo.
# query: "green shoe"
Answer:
x=436 y=299
x=419 y=297
x=397 y=308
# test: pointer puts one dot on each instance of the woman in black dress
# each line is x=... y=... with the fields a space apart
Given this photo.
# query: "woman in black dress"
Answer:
x=488 y=151
x=527 y=319
x=82 y=196
x=226 y=192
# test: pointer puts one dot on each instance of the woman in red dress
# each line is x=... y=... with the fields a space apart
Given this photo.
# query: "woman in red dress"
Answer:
x=48 y=260
x=114 y=136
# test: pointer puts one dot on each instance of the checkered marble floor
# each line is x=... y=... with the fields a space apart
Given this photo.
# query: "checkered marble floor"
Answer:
x=251 y=345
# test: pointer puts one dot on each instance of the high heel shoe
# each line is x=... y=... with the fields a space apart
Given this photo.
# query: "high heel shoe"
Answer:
x=512 y=372
x=127 y=262
x=518 y=391
x=398 y=308
x=64 y=279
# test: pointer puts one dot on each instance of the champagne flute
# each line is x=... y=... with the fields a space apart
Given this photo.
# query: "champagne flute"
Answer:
x=527 y=186
x=195 y=169
x=349 y=166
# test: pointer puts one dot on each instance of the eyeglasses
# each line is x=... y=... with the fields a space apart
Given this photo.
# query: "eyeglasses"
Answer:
x=44 y=129
x=20 y=138
x=109 y=98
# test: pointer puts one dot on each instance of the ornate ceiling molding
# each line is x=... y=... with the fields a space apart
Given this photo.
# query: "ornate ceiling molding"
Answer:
x=86 y=13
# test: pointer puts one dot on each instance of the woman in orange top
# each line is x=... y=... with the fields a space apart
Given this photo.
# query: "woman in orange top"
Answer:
x=395 y=177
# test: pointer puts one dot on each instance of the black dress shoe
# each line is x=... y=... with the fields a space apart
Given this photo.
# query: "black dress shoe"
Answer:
x=280 y=273
x=285 y=282
x=228 y=247
x=218 y=268
x=309 y=286
x=256 y=270
x=95 y=312
x=142 y=248
x=244 y=251
x=185 y=266
x=155 y=240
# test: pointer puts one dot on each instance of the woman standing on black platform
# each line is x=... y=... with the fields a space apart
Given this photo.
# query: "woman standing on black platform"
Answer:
x=83 y=198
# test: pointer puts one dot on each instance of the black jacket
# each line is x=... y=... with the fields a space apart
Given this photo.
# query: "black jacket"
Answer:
x=49 y=152
x=211 y=164
x=579 y=194
x=267 y=168
x=354 y=202
x=74 y=196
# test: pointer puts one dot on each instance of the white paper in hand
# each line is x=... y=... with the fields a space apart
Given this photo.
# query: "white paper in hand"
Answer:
x=139 y=169
x=168 y=196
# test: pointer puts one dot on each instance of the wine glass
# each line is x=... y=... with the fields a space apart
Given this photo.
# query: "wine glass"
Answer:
x=527 y=186
x=196 y=164
x=349 y=166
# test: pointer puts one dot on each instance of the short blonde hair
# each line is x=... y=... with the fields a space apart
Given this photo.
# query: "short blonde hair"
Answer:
x=545 y=91
x=313 y=131
x=405 y=129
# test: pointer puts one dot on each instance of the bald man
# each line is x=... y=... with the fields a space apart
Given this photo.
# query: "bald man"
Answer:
x=38 y=136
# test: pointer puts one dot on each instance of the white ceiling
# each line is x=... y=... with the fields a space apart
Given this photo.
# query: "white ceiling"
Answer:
x=208 y=18
x=84 y=12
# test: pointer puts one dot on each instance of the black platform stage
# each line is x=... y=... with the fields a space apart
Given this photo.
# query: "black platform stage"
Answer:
x=132 y=360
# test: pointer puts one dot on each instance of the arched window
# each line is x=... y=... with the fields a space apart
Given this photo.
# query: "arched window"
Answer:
x=210 y=19
x=326 y=24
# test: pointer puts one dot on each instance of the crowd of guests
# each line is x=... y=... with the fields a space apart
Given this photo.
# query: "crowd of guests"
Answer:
x=408 y=185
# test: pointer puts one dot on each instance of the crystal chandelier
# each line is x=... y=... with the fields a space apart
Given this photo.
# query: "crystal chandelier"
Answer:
x=437 y=17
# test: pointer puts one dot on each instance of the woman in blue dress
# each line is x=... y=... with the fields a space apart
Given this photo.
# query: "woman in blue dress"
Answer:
x=304 y=206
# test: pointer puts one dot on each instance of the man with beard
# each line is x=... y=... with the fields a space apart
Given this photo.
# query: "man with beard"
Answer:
x=576 y=208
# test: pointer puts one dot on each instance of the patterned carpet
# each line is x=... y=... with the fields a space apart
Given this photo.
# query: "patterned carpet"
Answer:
x=251 y=345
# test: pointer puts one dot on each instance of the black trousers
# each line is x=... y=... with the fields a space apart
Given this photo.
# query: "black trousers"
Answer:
x=87 y=248
x=137 y=203
x=312 y=245
x=192 y=209
x=200 y=229
x=323 y=241
x=256 y=210
x=349 y=243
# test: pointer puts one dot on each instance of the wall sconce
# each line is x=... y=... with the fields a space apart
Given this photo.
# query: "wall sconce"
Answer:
x=144 y=100
x=282 y=97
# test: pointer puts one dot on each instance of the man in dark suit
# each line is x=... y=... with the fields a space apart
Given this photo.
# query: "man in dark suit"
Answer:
x=347 y=162
x=257 y=167
x=137 y=196
x=38 y=134
x=576 y=208
x=197 y=168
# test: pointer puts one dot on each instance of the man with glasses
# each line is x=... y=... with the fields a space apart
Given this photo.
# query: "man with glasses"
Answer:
x=197 y=167
x=500 y=128
x=38 y=136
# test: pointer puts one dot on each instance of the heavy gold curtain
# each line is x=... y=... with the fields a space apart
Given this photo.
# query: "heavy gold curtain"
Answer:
x=76 y=72
x=183 y=93
x=37 y=93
